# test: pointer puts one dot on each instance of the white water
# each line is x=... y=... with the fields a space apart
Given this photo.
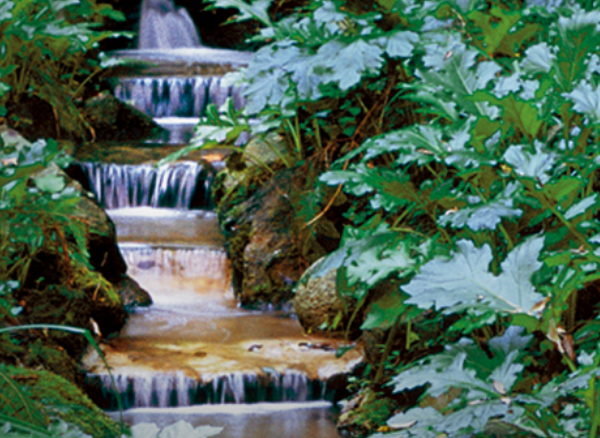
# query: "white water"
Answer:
x=181 y=185
x=164 y=26
x=185 y=97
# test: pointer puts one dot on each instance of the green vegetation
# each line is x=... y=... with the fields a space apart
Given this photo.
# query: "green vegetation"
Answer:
x=45 y=52
x=464 y=134
x=40 y=394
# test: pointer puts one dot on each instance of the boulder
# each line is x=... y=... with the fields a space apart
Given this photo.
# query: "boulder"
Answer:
x=317 y=303
x=264 y=215
x=260 y=239
x=265 y=151
x=106 y=258
x=116 y=120
x=132 y=294
x=101 y=238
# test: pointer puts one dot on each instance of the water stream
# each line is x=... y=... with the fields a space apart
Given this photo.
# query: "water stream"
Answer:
x=195 y=354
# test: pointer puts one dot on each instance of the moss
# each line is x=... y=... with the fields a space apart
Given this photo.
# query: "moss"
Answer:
x=369 y=411
x=235 y=252
x=56 y=397
x=55 y=359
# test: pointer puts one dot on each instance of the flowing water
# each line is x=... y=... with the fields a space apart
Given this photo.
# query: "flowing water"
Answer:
x=195 y=354
x=165 y=26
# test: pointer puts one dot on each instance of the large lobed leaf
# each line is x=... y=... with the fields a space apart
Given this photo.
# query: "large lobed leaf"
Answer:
x=486 y=381
x=465 y=279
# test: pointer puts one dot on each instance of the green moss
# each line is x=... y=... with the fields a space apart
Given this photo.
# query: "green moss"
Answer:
x=54 y=396
x=371 y=412
x=55 y=359
x=235 y=252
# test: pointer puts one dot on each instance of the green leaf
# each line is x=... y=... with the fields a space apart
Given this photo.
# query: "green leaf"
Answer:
x=466 y=279
x=586 y=100
x=376 y=263
x=485 y=382
x=400 y=44
x=516 y=113
x=496 y=25
x=347 y=63
x=485 y=215
x=455 y=75
x=384 y=311
x=257 y=9
x=536 y=165
x=50 y=183
x=538 y=59
x=579 y=36
x=581 y=207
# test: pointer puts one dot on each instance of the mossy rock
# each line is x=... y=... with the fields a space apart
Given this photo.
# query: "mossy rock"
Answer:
x=367 y=412
x=37 y=396
x=53 y=358
x=318 y=303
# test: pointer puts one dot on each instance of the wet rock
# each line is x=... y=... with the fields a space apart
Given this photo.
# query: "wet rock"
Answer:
x=106 y=259
x=132 y=294
x=36 y=118
x=101 y=240
x=265 y=151
x=262 y=215
x=318 y=304
x=115 y=120
x=270 y=264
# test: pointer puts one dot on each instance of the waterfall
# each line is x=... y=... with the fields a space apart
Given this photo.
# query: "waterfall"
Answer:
x=178 y=390
x=177 y=96
x=163 y=26
x=188 y=262
x=181 y=185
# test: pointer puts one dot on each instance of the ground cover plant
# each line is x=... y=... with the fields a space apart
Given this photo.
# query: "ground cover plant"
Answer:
x=466 y=135
x=48 y=55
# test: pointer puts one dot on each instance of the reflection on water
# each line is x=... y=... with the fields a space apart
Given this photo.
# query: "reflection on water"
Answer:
x=263 y=420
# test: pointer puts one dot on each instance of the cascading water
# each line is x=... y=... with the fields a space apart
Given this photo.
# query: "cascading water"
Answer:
x=196 y=348
x=163 y=26
x=182 y=185
x=177 y=96
x=194 y=354
x=178 y=390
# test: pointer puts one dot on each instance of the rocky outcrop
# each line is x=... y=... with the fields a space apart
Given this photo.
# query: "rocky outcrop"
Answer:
x=264 y=214
x=106 y=259
x=131 y=293
x=261 y=244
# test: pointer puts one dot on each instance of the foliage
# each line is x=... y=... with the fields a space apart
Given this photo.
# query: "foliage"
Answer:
x=467 y=133
x=39 y=206
x=45 y=53
x=50 y=396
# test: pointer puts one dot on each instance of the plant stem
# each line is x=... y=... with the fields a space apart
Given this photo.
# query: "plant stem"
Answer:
x=386 y=352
